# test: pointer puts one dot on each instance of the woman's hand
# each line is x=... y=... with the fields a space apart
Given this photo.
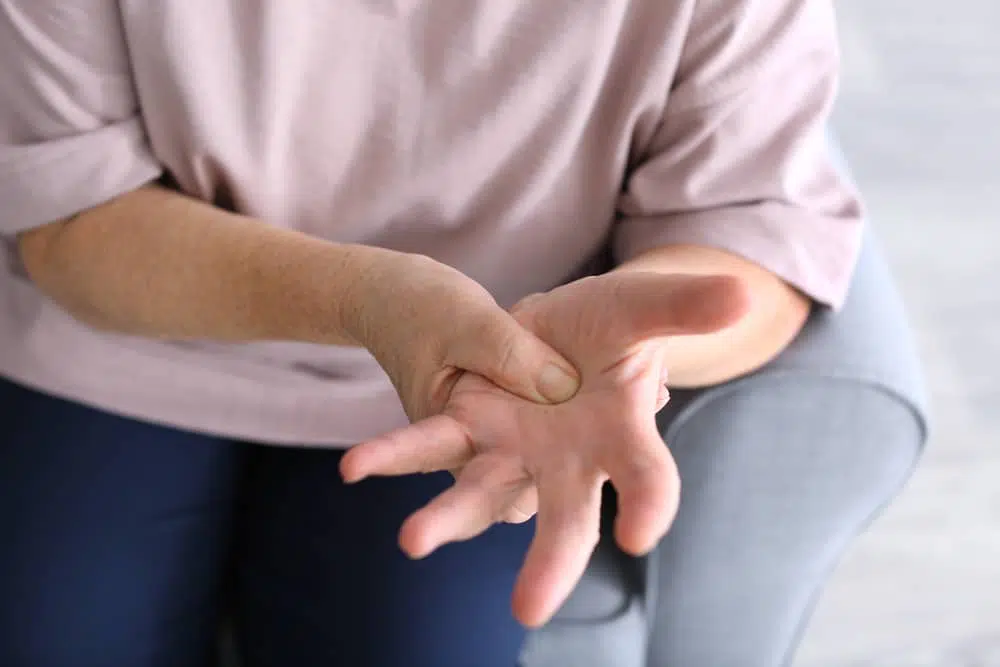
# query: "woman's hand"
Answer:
x=427 y=323
x=512 y=457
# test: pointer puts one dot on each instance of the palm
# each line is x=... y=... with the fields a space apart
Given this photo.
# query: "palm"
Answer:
x=513 y=457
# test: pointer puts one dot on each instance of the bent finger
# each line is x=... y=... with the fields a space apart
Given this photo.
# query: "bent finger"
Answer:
x=648 y=486
x=480 y=496
x=567 y=531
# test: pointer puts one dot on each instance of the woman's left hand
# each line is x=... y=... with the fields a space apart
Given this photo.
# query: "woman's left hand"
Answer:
x=512 y=457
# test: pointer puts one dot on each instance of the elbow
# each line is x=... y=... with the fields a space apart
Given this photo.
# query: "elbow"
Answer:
x=35 y=249
x=43 y=257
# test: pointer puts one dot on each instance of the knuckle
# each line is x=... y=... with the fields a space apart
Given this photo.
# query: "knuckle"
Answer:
x=502 y=347
x=476 y=335
x=507 y=357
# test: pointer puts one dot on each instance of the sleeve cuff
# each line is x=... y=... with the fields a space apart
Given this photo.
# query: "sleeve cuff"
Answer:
x=42 y=183
x=812 y=253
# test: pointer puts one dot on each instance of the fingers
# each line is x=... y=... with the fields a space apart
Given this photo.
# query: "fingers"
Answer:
x=567 y=530
x=510 y=356
x=648 y=485
x=675 y=305
x=433 y=444
x=483 y=492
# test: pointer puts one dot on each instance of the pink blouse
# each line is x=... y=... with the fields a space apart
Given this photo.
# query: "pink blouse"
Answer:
x=511 y=140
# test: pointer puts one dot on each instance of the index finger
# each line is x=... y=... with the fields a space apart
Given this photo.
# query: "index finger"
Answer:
x=432 y=444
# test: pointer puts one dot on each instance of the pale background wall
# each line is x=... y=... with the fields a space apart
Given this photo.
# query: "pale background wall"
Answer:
x=920 y=120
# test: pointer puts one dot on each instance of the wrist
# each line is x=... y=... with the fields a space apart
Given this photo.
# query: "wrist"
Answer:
x=329 y=296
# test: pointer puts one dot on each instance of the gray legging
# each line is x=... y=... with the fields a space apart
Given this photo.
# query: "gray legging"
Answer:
x=780 y=472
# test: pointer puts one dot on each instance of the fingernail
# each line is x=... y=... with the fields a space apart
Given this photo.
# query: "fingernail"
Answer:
x=557 y=385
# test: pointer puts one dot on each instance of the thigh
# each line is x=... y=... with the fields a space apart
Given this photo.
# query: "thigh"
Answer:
x=322 y=581
x=114 y=533
x=779 y=476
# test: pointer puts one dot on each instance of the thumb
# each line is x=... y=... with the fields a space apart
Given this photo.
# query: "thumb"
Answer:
x=513 y=358
x=654 y=304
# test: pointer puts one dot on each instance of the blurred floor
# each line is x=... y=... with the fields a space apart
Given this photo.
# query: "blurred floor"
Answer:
x=920 y=120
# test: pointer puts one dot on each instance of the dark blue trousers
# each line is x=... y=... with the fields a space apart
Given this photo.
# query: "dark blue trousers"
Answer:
x=123 y=544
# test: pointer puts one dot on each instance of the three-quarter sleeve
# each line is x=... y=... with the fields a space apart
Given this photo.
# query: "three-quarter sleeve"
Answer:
x=71 y=136
x=741 y=159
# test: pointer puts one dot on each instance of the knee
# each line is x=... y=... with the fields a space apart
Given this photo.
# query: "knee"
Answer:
x=780 y=473
x=852 y=432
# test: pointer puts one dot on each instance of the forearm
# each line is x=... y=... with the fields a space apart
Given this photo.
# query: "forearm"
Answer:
x=156 y=263
x=776 y=314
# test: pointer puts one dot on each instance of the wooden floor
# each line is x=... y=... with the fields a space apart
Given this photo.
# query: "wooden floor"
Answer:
x=920 y=120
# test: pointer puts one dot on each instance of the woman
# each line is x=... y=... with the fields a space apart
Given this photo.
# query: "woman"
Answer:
x=246 y=236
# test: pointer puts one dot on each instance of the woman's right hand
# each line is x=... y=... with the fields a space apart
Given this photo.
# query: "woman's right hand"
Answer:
x=160 y=264
x=426 y=323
